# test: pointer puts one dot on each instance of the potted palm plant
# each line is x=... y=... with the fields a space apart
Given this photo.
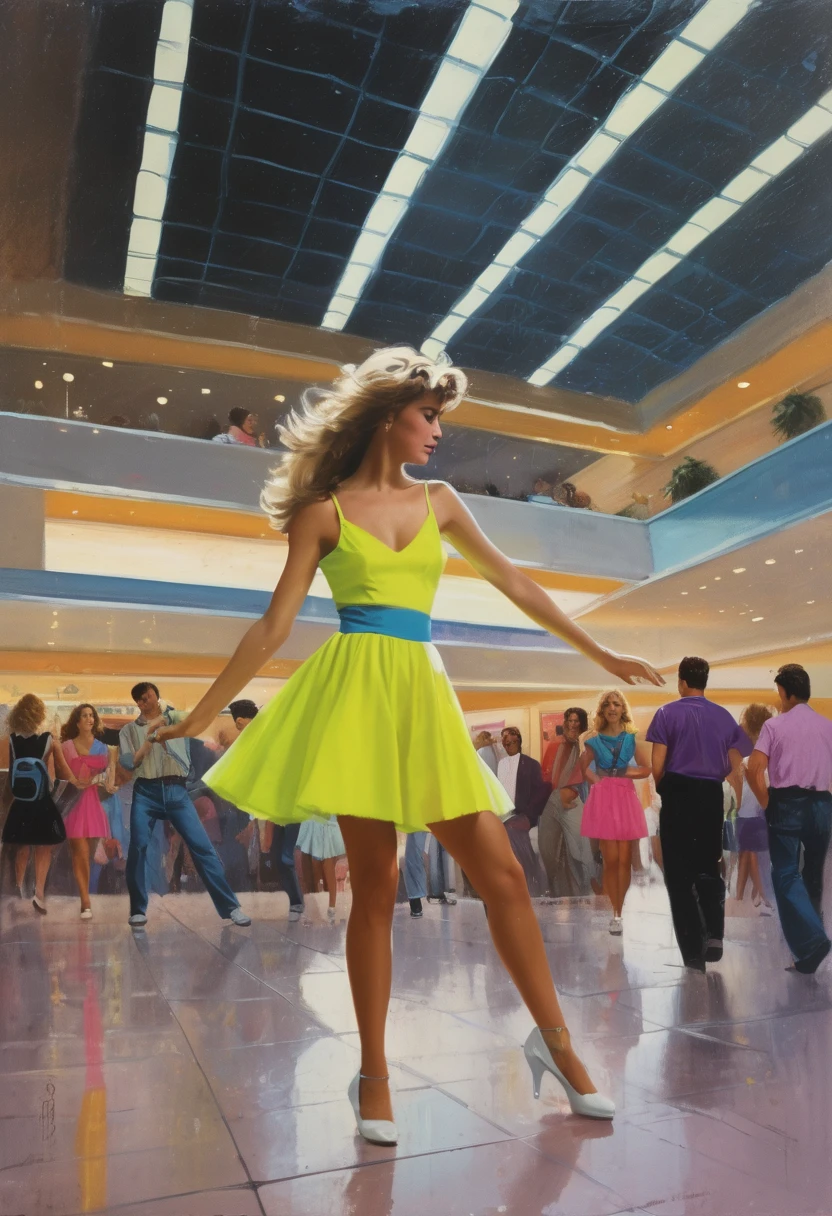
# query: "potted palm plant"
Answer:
x=796 y=414
x=689 y=477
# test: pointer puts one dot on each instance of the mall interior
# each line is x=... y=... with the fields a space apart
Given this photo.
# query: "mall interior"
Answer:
x=614 y=215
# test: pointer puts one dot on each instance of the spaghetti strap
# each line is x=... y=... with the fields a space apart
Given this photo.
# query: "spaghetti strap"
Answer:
x=338 y=508
x=427 y=496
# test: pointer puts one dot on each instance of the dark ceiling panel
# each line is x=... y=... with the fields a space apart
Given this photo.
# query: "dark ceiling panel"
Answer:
x=294 y=112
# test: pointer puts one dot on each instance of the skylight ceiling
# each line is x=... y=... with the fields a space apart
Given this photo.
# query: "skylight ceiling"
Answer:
x=293 y=118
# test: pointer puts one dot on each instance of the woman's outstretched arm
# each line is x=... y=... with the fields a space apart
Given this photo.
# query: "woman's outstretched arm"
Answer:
x=269 y=633
x=458 y=524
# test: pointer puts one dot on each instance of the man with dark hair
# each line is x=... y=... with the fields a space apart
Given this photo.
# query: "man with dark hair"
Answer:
x=796 y=748
x=243 y=712
x=696 y=744
x=159 y=793
x=522 y=780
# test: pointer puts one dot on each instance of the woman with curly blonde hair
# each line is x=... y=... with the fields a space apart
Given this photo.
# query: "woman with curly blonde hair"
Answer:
x=33 y=821
x=342 y=493
x=613 y=814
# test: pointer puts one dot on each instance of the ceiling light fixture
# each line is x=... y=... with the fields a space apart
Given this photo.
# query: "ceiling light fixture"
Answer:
x=771 y=561
x=38 y=384
x=205 y=391
x=739 y=569
x=704 y=587
x=106 y=363
x=810 y=601
x=743 y=384
x=798 y=550
x=717 y=578
x=161 y=400
x=68 y=377
x=280 y=397
x=644 y=97
x=669 y=426
x=161 y=136
x=484 y=28
x=757 y=618
x=766 y=166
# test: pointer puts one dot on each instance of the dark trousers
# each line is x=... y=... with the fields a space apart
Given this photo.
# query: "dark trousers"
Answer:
x=690 y=830
x=282 y=854
x=798 y=817
x=154 y=800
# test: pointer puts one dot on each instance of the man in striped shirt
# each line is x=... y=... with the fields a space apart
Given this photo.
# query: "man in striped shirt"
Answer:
x=160 y=771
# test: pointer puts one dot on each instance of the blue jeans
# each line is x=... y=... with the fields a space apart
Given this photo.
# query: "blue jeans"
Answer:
x=155 y=800
x=798 y=817
x=414 y=866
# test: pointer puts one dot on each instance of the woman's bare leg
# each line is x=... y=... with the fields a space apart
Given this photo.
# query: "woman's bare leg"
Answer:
x=43 y=858
x=481 y=847
x=609 y=852
x=374 y=878
x=79 y=851
x=328 y=868
x=742 y=875
x=625 y=871
x=756 y=880
x=21 y=861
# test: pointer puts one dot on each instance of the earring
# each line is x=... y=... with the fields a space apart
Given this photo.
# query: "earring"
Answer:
x=387 y=425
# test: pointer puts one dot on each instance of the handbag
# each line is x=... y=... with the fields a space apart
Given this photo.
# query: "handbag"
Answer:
x=65 y=795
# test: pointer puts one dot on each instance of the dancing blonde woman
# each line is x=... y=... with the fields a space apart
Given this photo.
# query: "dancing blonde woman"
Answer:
x=348 y=506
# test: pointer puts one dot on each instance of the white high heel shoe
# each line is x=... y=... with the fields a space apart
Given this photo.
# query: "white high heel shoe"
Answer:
x=540 y=1060
x=377 y=1131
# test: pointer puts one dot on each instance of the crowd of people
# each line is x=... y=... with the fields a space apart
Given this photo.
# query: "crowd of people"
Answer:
x=576 y=827
x=104 y=792
x=723 y=790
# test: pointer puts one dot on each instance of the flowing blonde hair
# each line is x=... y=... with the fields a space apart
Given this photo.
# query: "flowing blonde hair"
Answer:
x=329 y=435
x=600 y=720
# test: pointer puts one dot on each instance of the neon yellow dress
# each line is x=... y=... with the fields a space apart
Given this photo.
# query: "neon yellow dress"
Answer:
x=369 y=725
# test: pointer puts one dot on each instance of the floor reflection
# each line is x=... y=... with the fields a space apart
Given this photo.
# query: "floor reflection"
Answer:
x=199 y=1068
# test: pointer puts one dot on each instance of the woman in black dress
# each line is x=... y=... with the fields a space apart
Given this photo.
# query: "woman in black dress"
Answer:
x=33 y=820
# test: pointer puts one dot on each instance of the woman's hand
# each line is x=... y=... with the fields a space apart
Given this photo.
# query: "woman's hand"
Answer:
x=630 y=669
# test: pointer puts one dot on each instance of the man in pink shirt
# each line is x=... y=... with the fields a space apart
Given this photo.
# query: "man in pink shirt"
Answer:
x=796 y=748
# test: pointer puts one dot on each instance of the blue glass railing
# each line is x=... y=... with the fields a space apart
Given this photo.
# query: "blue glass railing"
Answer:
x=791 y=483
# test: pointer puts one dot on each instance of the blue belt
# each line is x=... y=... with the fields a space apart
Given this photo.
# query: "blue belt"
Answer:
x=405 y=623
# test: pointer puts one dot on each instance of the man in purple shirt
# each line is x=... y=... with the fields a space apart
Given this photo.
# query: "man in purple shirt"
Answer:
x=796 y=748
x=696 y=744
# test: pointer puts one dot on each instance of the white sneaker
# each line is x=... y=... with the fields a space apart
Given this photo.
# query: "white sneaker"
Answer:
x=238 y=917
x=330 y=915
x=86 y=914
x=137 y=921
x=295 y=912
x=616 y=926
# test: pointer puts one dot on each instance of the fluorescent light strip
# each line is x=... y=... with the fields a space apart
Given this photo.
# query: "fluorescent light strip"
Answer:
x=161 y=136
x=764 y=168
x=686 y=51
x=481 y=34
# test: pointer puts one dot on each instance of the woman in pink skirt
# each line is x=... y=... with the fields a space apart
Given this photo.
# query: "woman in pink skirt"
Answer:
x=90 y=761
x=613 y=813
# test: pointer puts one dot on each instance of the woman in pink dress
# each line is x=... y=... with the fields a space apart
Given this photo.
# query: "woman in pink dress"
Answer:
x=89 y=759
x=611 y=762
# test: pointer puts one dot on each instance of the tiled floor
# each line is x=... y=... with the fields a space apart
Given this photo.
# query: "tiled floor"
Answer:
x=201 y=1069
